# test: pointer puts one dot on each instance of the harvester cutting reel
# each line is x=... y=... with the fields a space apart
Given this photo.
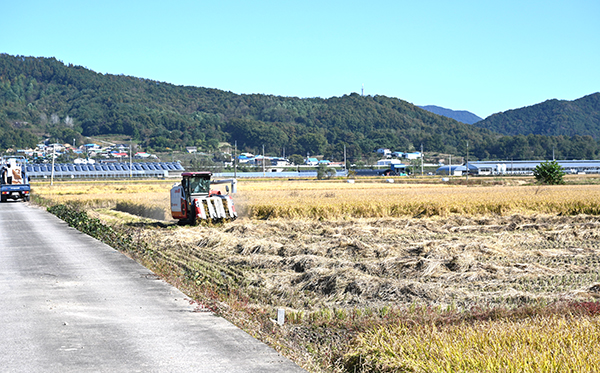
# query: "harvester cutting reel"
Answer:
x=193 y=200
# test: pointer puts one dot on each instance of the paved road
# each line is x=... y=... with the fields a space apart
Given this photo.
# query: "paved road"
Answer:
x=69 y=303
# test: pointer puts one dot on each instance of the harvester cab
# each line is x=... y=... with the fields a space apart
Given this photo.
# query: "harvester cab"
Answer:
x=193 y=199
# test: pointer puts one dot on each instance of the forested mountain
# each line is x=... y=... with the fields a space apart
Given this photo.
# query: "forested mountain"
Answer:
x=459 y=115
x=552 y=118
x=42 y=97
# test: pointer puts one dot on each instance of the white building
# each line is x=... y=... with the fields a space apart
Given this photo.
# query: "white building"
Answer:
x=388 y=162
x=384 y=152
x=413 y=155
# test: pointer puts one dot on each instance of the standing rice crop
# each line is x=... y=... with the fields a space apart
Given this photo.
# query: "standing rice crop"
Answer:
x=554 y=343
x=340 y=201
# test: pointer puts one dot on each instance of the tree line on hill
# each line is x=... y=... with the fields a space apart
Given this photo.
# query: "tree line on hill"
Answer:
x=42 y=97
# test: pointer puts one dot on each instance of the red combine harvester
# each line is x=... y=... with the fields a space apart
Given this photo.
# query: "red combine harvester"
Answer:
x=193 y=200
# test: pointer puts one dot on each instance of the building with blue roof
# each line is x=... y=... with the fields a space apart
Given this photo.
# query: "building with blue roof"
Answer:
x=311 y=161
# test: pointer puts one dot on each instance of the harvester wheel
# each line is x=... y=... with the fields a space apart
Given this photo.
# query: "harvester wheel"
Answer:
x=191 y=221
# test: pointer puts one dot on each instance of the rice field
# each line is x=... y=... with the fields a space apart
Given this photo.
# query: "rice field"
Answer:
x=345 y=260
x=339 y=200
x=539 y=344
x=335 y=201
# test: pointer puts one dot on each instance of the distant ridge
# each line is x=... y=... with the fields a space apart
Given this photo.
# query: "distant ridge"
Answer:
x=580 y=117
x=462 y=116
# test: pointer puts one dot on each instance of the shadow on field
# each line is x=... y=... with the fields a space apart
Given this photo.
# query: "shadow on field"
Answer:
x=153 y=224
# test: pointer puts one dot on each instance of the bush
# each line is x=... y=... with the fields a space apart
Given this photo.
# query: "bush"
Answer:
x=95 y=228
x=549 y=172
x=325 y=173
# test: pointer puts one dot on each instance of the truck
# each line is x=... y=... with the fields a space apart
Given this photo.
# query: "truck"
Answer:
x=192 y=199
x=14 y=183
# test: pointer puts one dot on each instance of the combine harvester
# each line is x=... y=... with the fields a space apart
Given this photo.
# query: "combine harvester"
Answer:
x=14 y=183
x=193 y=200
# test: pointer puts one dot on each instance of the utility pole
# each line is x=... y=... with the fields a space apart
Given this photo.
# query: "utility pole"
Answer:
x=235 y=161
x=53 y=156
x=130 y=160
x=263 y=161
x=421 y=159
x=345 y=162
x=467 y=162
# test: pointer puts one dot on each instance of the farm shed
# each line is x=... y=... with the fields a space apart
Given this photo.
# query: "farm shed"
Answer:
x=527 y=167
x=449 y=170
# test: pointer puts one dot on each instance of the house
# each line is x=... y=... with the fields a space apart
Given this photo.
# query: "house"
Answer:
x=141 y=155
x=58 y=147
x=258 y=160
x=242 y=158
x=413 y=155
x=279 y=162
x=384 y=152
x=91 y=146
x=311 y=161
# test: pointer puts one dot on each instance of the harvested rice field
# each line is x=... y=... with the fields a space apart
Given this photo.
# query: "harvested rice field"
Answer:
x=354 y=263
x=458 y=261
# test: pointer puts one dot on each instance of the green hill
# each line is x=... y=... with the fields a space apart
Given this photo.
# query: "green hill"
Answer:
x=460 y=115
x=42 y=97
x=552 y=118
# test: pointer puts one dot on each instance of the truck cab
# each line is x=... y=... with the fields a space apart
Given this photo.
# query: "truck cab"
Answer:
x=14 y=183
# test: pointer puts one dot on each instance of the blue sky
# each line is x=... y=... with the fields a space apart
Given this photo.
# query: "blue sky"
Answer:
x=480 y=56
